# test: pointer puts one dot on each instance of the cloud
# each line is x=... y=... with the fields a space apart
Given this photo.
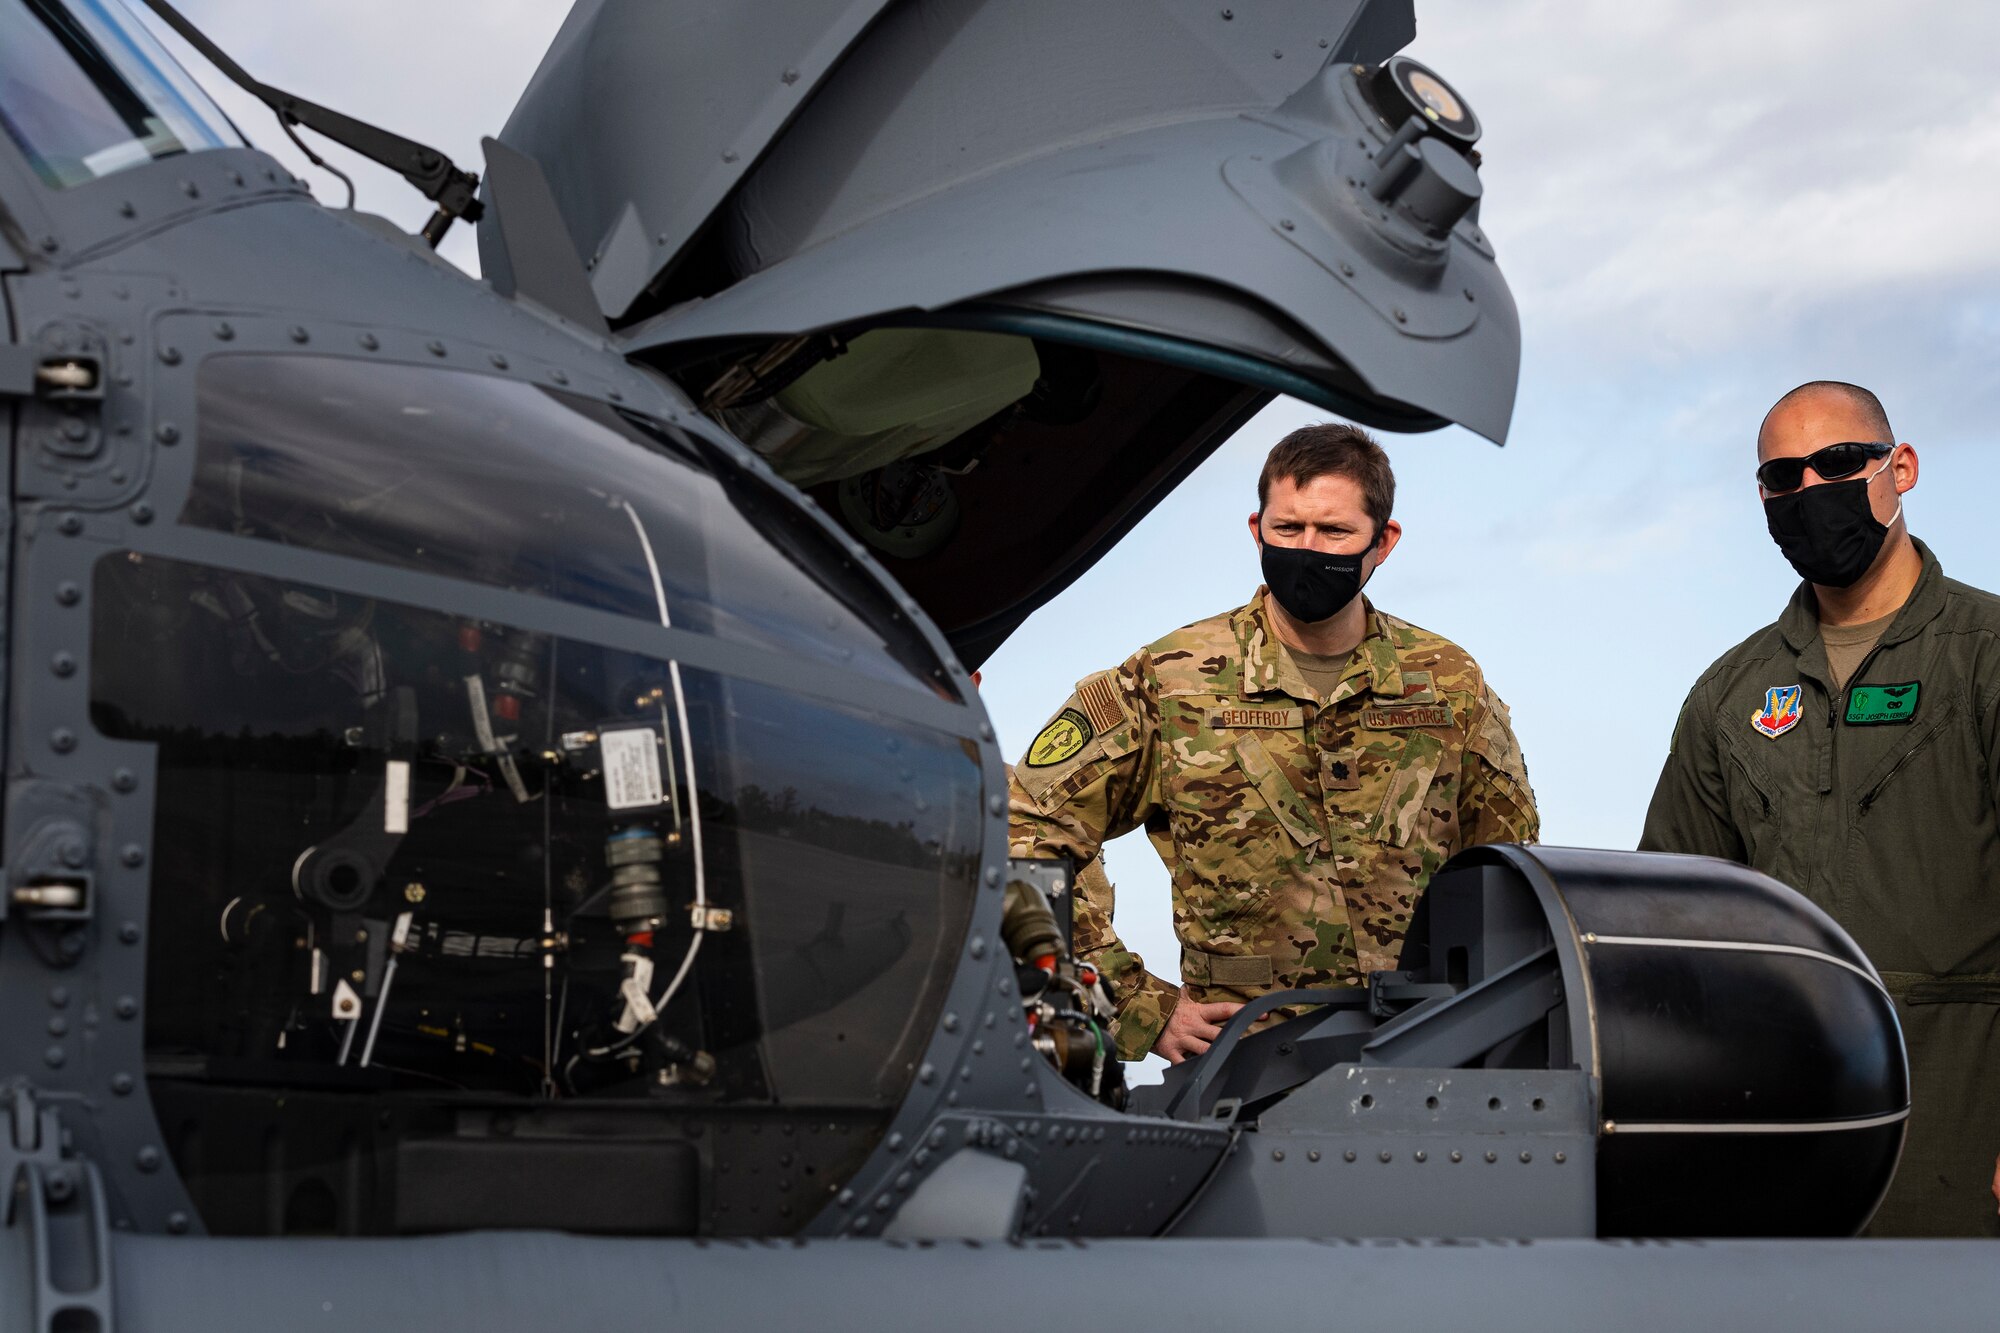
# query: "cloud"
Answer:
x=1577 y=539
x=1668 y=177
x=442 y=74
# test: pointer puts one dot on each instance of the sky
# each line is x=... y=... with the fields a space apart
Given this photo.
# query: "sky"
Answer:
x=1697 y=206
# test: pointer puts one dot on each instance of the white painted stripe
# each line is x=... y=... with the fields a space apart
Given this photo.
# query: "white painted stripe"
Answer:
x=1738 y=946
x=1767 y=1127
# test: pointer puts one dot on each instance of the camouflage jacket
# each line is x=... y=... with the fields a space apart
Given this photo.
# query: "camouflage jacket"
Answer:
x=1299 y=832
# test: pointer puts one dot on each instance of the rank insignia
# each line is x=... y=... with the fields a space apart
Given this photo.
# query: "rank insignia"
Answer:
x=1781 y=711
x=1060 y=739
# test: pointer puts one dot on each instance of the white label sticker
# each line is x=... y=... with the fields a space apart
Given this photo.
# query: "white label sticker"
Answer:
x=396 y=797
x=631 y=768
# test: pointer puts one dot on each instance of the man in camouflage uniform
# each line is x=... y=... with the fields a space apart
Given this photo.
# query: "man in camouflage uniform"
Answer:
x=1302 y=764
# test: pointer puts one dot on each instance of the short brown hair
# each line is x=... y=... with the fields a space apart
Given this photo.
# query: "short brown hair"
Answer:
x=1333 y=448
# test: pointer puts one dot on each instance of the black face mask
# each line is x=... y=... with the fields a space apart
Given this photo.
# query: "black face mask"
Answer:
x=1829 y=532
x=1312 y=585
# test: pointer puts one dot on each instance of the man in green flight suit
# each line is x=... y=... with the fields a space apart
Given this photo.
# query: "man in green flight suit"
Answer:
x=1852 y=750
x=1303 y=764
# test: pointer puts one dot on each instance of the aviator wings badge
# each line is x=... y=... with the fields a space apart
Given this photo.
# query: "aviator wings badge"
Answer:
x=1780 y=712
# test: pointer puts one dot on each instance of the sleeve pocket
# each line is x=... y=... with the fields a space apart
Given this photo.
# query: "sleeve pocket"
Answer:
x=1493 y=740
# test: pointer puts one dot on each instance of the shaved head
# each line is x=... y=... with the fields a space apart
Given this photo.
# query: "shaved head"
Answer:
x=1860 y=569
x=1848 y=403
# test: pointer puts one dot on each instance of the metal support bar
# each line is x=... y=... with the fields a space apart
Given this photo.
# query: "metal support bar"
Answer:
x=1187 y=1105
x=1280 y=1059
x=455 y=192
x=1455 y=1032
x=1393 y=993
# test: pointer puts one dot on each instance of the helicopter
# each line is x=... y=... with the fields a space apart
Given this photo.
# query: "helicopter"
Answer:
x=499 y=827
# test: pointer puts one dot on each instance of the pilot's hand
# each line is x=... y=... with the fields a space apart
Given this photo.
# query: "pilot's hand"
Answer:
x=1996 y=1161
x=1191 y=1027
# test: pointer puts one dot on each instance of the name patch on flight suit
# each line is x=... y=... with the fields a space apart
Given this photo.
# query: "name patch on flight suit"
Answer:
x=1396 y=717
x=1280 y=719
x=1881 y=705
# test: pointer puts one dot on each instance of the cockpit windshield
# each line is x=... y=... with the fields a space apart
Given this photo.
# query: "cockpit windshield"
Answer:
x=85 y=90
x=407 y=861
x=501 y=483
x=434 y=881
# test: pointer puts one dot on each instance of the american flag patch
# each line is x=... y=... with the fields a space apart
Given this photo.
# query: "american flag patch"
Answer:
x=1100 y=702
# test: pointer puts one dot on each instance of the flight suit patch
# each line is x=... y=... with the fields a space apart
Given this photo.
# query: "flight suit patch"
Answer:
x=1061 y=739
x=1882 y=705
x=1100 y=701
x=1280 y=719
x=1781 y=711
x=1398 y=717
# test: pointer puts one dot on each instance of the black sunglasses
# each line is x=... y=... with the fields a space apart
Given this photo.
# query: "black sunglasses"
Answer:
x=1832 y=463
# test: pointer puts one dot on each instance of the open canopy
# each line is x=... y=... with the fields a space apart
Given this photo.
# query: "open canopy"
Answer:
x=988 y=277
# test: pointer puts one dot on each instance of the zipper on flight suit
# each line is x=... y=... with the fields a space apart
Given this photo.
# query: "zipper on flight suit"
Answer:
x=1823 y=783
x=1830 y=806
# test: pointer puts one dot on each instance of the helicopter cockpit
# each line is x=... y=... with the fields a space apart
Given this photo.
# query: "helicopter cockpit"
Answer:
x=405 y=849
x=458 y=779
x=496 y=786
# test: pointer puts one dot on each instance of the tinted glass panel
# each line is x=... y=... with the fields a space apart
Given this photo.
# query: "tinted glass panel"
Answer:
x=390 y=852
x=86 y=91
x=499 y=482
x=858 y=844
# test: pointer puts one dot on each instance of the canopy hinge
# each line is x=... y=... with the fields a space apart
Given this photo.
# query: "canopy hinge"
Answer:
x=56 y=1222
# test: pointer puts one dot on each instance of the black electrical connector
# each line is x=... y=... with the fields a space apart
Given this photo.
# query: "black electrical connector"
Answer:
x=455 y=192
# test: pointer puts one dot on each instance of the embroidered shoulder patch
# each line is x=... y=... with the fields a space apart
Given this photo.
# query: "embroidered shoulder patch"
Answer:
x=1882 y=705
x=1278 y=719
x=1396 y=717
x=1100 y=701
x=1061 y=739
x=1781 y=711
